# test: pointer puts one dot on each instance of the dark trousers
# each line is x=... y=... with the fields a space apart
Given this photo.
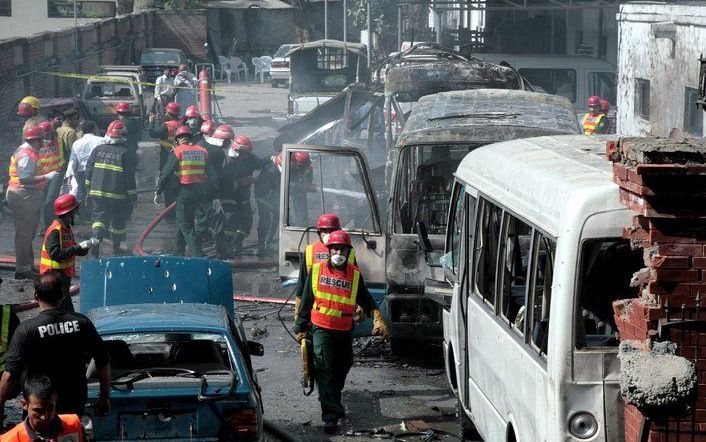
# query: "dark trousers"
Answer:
x=109 y=218
x=51 y=192
x=189 y=199
x=333 y=353
x=66 y=303
x=267 y=223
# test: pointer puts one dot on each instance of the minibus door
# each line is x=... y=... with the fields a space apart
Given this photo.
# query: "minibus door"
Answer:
x=323 y=179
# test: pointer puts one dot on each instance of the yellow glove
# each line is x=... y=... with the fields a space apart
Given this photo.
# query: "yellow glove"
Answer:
x=297 y=301
x=359 y=315
x=379 y=326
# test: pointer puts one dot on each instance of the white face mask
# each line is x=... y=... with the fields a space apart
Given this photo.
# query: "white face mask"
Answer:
x=324 y=237
x=338 y=260
x=192 y=123
x=233 y=153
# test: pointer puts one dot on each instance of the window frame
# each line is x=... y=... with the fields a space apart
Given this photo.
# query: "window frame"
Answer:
x=690 y=108
x=575 y=90
x=642 y=85
x=5 y=8
x=458 y=190
x=532 y=286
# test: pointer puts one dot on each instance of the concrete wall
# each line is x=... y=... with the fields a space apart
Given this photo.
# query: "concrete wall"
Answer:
x=182 y=30
x=670 y=64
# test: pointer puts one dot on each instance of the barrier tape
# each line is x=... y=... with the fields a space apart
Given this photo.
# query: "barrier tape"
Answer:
x=112 y=79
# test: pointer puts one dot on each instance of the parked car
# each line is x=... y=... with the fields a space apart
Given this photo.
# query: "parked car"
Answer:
x=101 y=95
x=279 y=69
x=154 y=60
x=131 y=72
x=180 y=358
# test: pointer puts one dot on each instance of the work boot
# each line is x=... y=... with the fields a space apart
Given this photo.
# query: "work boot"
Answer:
x=330 y=427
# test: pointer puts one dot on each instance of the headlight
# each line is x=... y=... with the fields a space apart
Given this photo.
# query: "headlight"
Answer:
x=583 y=425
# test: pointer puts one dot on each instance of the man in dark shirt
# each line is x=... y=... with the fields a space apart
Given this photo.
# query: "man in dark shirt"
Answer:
x=57 y=344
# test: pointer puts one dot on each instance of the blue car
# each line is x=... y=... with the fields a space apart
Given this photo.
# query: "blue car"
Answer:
x=180 y=360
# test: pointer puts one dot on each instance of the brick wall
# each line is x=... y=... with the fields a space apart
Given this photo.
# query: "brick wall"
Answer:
x=182 y=30
x=664 y=183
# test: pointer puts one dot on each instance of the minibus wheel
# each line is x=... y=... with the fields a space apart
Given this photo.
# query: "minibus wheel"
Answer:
x=468 y=428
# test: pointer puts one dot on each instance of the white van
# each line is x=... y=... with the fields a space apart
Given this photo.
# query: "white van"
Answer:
x=572 y=76
x=534 y=259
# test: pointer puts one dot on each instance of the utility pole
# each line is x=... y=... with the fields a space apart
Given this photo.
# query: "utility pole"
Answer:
x=76 y=61
x=399 y=27
x=370 y=35
x=325 y=19
x=345 y=21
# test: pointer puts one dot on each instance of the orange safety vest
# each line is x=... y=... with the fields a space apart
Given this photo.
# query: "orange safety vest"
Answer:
x=72 y=431
x=318 y=252
x=192 y=163
x=51 y=158
x=590 y=122
x=172 y=126
x=14 y=181
x=334 y=296
x=66 y=240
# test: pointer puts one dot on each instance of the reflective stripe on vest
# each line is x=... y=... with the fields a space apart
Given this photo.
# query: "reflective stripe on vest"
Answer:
x=172 y=126
x=71 y=432
x=192 y=163
x=66 y=240
x=51 y=158
x=590 y=122
x=318 y=252
x=14 y=181
x=4 y=333
x=334 y=296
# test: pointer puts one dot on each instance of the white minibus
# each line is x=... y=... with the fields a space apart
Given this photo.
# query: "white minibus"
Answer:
x=533 y=260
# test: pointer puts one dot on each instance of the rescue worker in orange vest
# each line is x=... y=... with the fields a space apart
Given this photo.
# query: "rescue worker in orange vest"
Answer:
x=318 y=252
x=59 y=250
x=42 y=423
x=51 y=158
x=25 y=197
x=192 y=119
x=190 y=163
x=28 y=109
x=605 y=108
x=332 y=291
x=594 y=122
x=165 y=132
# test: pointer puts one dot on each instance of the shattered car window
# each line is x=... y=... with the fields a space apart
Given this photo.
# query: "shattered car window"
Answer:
x=101 y=89
x=553 y=81
x=328 y=183
x=423 y=189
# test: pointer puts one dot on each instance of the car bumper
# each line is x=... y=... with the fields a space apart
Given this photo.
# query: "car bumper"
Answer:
x=280 y=76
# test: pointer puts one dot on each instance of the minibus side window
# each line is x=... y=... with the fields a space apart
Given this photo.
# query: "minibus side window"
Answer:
x=544 y=250
x=456 y=228
x=486 y=250
x=607 y=265
x=515 y=258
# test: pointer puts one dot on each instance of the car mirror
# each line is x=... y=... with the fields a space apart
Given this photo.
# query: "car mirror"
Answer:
x=255 y=348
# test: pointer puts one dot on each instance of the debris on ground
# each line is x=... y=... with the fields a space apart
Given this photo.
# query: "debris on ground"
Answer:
x=258 y=332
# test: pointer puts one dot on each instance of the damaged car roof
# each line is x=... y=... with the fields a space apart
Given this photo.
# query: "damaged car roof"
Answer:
x=490 y=115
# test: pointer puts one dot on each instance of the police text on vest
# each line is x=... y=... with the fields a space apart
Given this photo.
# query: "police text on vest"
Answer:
x=60 y=328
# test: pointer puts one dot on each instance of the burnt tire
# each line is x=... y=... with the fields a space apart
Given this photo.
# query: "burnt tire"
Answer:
x=467 y=429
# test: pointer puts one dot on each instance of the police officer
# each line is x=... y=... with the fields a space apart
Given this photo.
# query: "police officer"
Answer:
x=318 y=252
x=59 y=250
x=331 y=293
x=57 y=344
x=190 y=163
x=110 y=179
x=165 y=132
x=594 y=122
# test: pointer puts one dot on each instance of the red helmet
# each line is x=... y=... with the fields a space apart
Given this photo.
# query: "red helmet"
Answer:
x=46 y=127
x=173 y=108
x=208 y=127
x=605 y=105
x=242 y=143
x=65 y=204
x=192 y=112
x=594 y=100
x=224 y=132
x=33 y=133
x=340 y=238
x=123 y=107
x=328 y=221
x=301 y=158
x=25 y=110
x=278 y=159
x=182 y=131
x=116 y=129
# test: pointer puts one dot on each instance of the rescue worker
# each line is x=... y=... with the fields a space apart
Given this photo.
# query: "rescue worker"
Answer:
x=605 y=108
x=192 y=119
x=134 y=125
x=331 y=293
x=165 y=132
x=67 y=133
x=28 y=109
x=80 y=152
x=59 y=250
x=190 y=163
x=57 y=344
x=110 y=179
x=42 y=422
x=266 y=191
x=318 y=252
x=51 y=158
x=594 y=122
x=239 y=168
x=25 y=197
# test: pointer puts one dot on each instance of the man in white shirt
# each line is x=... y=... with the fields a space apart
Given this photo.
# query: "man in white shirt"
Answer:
x=186 y=91
x=163 y=92
x=80 y=151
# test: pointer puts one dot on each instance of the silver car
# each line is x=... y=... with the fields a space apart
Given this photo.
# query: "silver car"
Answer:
x=279 y=70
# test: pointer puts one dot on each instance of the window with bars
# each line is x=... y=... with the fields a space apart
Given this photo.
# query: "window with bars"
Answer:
x=331 y=59
x=6 y=8
x=693 y=115
x=642 y=98
x=84 y=9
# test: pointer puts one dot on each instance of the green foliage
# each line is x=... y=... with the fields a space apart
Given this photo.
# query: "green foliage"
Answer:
x=383 y=17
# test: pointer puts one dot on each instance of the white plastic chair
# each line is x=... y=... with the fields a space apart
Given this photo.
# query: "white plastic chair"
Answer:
x=257 y=64
x=238 y=66
x=225 y=67
x=266 y=62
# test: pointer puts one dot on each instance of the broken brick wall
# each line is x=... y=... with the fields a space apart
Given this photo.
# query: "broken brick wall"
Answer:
x=664 y=183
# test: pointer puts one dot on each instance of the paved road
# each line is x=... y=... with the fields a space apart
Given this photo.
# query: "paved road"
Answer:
x=382 y=390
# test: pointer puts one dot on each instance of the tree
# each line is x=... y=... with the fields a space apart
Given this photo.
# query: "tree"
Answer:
x=383 y=18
